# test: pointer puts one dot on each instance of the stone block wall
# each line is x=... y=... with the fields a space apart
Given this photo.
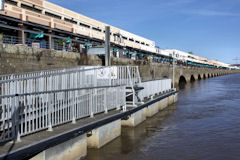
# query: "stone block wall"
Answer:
x=18 y=58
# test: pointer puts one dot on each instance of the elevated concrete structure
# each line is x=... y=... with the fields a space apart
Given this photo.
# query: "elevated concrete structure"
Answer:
x=156 y=105
x=56 y=18
x=151 y=110
x=135 y=118
x=73 y=149
x=104 y=134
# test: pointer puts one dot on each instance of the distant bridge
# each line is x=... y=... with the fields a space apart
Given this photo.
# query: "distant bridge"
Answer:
x=182 y=74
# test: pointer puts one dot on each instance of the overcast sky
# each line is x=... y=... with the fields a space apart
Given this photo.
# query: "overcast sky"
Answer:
x=208 y=28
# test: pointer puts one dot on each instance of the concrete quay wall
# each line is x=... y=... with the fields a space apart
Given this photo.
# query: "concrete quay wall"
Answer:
x=76 y=148
x=73 y=149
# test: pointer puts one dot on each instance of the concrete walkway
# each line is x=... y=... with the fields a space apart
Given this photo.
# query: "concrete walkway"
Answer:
x=37 y=142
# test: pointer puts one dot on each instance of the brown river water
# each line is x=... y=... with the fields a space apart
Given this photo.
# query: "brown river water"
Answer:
x=203 y=125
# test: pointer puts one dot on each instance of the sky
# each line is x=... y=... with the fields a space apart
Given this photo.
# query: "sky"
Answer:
x=208 y=28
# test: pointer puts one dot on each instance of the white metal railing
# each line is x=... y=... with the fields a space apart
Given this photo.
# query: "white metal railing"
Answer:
x=154 y=87
x=43 y=72
x=75 y=78
x=40 y=43
x=28 y=113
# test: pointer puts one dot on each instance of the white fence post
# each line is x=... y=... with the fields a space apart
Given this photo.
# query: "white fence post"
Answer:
x=105 y=100
x=49 y=109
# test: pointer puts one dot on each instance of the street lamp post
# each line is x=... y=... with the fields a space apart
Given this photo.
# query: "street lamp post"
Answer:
x=173 y=79
x=107 y=46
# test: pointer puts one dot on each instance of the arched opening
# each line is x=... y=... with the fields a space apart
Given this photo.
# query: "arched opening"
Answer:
x=165 y=77
x=208 y=75
x=192 y=79
x=182 y=82
x=204 y=76
x=212 y=75
x=199 y=77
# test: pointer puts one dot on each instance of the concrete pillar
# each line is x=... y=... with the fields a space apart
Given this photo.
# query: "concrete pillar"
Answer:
x=104 y=134
x=170 y=99
x=50 y=39
x=162 y=104
x=175 y=97
x=135 y=119
x=21 y=34
x=152 y=110
x=73 y=149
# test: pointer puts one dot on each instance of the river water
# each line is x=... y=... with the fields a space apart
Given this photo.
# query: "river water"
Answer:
x=203 y=125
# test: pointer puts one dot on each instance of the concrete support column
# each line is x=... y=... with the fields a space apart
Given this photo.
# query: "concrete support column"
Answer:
x=170 y=99
x=152 y=110
x=73 y=149
x=50 y=40
x=21 y=34
x=104 y=134
x=162 y=104
x=135 y=119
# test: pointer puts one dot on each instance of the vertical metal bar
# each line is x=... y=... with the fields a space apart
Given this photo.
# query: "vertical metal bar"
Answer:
x=26 y=114
x=3 y=118
x=17 y=119
x=73 y=106
x=62 y=108
x=49 y=109
x=23 y=37
x=109 y=76
x=173 y=72
x=125 y=103
x=33 y=112
x=91 y=104
x=36 y=112
x=105 y=100
x=8 y=114
x=40 y=112
x=50 y=41
x=13 y=118
x=117 y=104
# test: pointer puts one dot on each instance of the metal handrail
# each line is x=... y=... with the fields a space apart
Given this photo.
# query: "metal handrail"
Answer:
x=56 y=91
x=151 y=88
x=22 y=115
x=82 y=78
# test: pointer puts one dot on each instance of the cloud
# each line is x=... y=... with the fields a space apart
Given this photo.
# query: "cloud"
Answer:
x=204 y=12
x=179 y=2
